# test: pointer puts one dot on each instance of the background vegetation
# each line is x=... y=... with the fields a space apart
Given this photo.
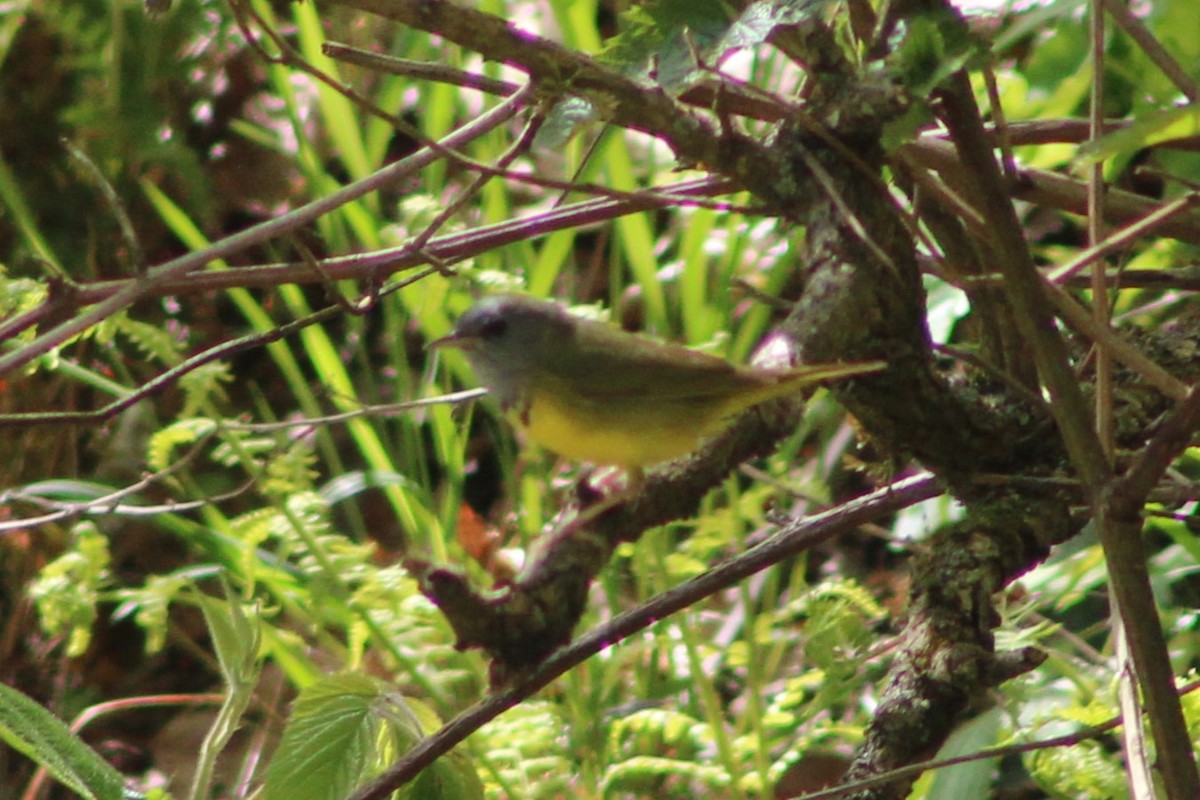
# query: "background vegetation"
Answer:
x=227 y=233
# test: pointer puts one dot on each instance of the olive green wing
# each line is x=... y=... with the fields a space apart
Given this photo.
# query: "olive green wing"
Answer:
x=608 y=363
x=604 y=363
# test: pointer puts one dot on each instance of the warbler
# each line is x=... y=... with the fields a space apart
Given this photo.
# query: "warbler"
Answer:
x=590 y=391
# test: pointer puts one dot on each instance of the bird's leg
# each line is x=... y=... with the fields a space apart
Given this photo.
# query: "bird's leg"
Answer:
x=594 y=497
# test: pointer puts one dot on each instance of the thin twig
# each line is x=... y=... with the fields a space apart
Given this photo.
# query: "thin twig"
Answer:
x=265 y=231
x=1078 y=318
x=1052 y=190
x=1133 y=735
x=421 y=70
x=787 y=542
x=1153 y=48
x=1023 y=284
x=1123 y=547
x=379 y=410
x=1118 y=240
x=912 y=770
x=502 y=163
x=111 y=503
x=134 y=257
x=1103 y=400
x=369 y=265
x=167 y=378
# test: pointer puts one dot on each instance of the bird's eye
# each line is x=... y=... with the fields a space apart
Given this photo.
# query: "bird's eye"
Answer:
x=493 y=329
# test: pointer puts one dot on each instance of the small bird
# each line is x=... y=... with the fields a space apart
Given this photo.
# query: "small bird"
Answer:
x=590 y=391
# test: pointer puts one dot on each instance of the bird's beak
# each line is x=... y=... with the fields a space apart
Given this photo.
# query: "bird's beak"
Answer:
x=453 y=339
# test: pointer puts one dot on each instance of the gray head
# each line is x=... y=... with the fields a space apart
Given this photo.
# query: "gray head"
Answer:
x=505 y=337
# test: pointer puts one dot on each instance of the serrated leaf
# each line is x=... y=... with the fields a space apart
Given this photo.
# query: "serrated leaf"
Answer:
x=329 y=744
x=344 y=729
x=155 y=341
x=201 y=384
x=668 y=42
x=26 y=726
x=671 y=44
x=757 y=22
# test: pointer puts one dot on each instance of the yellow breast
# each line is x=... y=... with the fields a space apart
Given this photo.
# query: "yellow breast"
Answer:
x=626 y=437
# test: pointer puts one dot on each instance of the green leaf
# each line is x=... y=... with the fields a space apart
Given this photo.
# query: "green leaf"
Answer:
x=760 y=20
x=68 y=588
x=1151 y=128
x=237 y=638
x=667 y=41
x=184 y=432
x=973 y=778
x=562 y=122
x=451 y=777
x=672 y=44
x=157 y=342
x=150 y=606
x=30 y=729
x=236 y=635
x=201 y=384
x=934 y=46
x=1084 y=770
x=18 y=295
x=329 y=741
x=344 y=729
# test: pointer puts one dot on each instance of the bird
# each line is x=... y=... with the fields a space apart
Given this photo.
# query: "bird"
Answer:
x=589 y=391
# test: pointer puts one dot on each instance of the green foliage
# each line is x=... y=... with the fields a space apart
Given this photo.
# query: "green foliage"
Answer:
x=237 y=637
x=656 y=730
x=202 y=386
x=664 y=777
x=667 y=41
x=150 y=603
x=27 y=727
x=927 y=51
x=673 y=44
x=236 y=630
x=1076 y=693
x=527 y=752
x=68 y=588
x=347 y=727
x=1082 y=772
x=164 y=442
x=290 y=470
x=1151 y=128
x=393 y=608
x=658 y=752
x=932 y=47
x=837 y=617
x=18 y=295
x=306 y=528
x=152 y=341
